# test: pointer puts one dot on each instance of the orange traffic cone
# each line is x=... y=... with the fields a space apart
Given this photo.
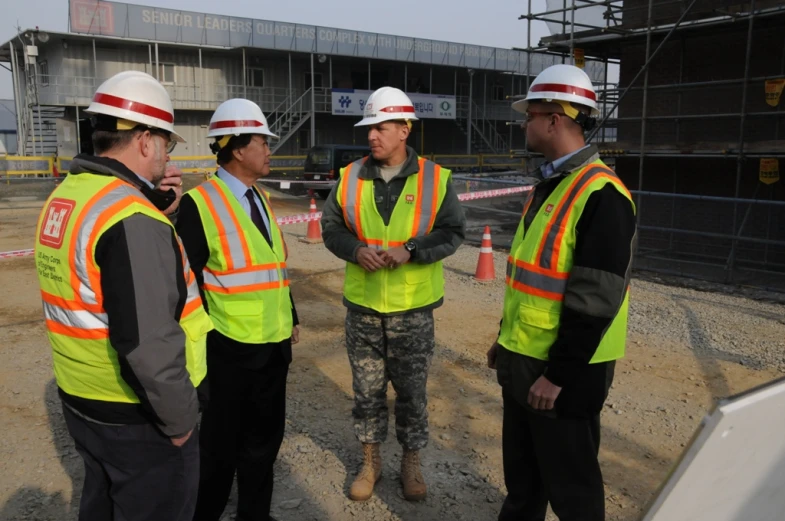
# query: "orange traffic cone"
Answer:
x=314 y=234
x=485 y=271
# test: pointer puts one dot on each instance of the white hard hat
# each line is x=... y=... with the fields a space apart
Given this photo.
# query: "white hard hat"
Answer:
x=137 y=97
x=386 y=104
x=238 y=116
x=561 y=83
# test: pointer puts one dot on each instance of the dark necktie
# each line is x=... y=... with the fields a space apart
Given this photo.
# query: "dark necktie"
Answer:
x=256 y=216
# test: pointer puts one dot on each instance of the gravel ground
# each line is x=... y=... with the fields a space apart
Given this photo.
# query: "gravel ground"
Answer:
x=687 y=347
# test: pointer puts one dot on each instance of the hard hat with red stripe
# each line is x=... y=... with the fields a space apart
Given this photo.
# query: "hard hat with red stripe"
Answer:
x=135 y=97
x=237 y=116
x=561 y=83
x=387 y=104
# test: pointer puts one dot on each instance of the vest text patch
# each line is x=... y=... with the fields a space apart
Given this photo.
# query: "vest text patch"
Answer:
x=55 y=222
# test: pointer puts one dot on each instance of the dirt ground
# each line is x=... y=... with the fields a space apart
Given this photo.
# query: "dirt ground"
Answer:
x=663 y=387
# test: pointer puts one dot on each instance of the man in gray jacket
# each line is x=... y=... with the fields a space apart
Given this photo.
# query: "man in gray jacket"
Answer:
x=123 y=311
x=393 y=217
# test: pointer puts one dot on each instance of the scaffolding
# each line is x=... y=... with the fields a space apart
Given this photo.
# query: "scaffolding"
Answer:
x=698 y=226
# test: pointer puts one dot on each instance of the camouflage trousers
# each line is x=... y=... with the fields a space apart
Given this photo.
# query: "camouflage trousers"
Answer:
x=395 y=349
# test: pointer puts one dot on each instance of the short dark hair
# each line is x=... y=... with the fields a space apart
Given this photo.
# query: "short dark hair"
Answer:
x=107 y=140
x=225 y=155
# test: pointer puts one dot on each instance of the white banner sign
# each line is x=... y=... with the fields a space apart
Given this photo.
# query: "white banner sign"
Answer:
x=351 y=102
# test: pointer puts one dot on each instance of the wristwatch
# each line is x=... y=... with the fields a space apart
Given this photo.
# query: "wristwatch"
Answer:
x=411 y=247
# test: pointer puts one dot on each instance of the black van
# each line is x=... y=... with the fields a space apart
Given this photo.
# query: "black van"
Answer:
x=324 y=163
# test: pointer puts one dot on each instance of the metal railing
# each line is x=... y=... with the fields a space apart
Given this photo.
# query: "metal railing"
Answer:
x=38 y=166
x=292 y=119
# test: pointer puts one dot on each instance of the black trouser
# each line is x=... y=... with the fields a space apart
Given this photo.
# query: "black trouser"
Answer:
x=242 y=429
x=550 y=460
x=133 y=472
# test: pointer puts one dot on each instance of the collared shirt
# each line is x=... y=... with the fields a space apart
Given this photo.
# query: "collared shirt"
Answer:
x=145 y=181
x=238 y=188
x=550 y=169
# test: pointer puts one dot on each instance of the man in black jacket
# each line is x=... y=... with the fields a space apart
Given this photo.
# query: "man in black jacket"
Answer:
x=565 y=312
x=238 y=254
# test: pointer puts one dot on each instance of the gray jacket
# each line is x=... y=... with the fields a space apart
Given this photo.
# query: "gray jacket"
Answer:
x=144 y=291
x=448 y=231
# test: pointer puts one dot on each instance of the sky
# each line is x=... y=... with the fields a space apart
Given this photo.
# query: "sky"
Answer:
x=490 y=22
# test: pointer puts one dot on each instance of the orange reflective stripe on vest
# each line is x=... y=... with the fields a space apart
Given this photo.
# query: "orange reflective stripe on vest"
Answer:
x=83 y=316
x=241 y=274
x=426 y=202
x=544 y=279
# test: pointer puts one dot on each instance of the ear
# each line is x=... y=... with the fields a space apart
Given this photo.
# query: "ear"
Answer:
x=238 y=154
x=404 y=131
x=145 y=144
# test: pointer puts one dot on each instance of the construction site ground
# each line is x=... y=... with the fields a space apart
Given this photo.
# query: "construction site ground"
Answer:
x=686 y=348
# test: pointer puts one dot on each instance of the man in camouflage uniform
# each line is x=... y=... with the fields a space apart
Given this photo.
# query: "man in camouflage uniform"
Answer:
x=393 y=217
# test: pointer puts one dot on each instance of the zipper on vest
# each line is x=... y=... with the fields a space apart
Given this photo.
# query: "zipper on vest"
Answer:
x=387 y=203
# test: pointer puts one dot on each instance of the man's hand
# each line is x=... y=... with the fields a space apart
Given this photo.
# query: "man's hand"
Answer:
x=370 y=259
x=173 y=178
x=179 y=442
x=543 y=394
x=394 y=257
x=295 y=335
x=492 y=355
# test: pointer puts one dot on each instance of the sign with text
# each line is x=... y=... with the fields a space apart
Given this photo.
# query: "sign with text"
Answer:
x=351 y=102
x=121 y=20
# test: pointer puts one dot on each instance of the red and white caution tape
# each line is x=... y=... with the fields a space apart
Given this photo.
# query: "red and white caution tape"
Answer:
x=305 y=217
x=295 y=181
x=300 y=218
x=471 y=196
x=15 y=253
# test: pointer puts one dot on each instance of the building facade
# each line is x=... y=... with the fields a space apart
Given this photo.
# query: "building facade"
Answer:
x=300 y=76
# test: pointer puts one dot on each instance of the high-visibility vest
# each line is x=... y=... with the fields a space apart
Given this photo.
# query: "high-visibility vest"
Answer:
x=74 y=218
x=539 y=265
x=246 y=283
x=411 y=285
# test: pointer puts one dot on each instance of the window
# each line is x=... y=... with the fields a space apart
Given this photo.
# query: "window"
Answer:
x=254 y=77
x=317 y=80
x=166 y=73
x=463 y=89
x=43 y=72
x=497 y=92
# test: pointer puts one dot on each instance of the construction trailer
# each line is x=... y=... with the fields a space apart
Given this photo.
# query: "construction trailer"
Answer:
x=310 y=81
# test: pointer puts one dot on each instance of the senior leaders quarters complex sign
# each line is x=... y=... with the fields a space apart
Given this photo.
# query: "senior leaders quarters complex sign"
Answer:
x=351 y=102
x=167 y=25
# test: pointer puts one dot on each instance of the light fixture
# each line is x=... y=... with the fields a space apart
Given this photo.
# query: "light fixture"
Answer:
x=43 y=37
x=322 y=58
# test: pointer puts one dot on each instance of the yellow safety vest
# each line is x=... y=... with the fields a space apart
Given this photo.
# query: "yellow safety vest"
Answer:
x=539 y=265
x=246 y=282
x=74 y=218
x=412 y=285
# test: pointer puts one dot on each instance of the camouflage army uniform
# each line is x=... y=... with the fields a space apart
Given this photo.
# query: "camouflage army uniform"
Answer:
x=395 y=347
x=398 y=349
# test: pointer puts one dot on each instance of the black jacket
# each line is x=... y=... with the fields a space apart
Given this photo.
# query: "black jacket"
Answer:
x=606 y=236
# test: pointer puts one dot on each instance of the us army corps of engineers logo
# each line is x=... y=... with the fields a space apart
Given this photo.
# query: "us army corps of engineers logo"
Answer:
x=55 y=222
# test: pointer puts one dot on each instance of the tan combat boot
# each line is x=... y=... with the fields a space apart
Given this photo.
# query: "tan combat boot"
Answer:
x=370 y=474
x=414 y=488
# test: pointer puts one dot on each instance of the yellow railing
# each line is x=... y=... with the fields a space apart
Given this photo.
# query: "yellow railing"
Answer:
x=205 y=165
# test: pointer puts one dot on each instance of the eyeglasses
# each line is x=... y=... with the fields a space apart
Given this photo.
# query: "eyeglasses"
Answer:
x=531 y=115
x=170 y=142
